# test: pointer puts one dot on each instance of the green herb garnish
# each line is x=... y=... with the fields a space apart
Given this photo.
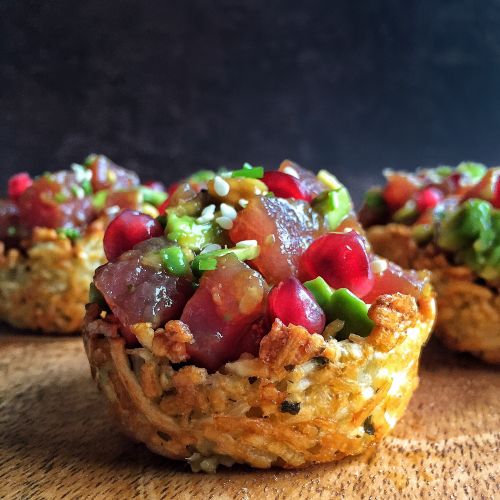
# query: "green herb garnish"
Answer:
x=249 y=172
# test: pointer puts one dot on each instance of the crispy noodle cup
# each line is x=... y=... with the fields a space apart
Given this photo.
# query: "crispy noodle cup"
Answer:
x=303 y=400
x=46 y=287
x=468 y=311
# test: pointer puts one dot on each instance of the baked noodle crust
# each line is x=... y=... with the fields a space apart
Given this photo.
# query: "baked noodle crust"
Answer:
x=468 y=316
x=46 y=287
x=303 y=400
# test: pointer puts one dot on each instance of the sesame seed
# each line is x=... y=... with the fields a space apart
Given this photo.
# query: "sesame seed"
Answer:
x=258 y=191
x=379 y=266
x=247 y=243
x=243 y=203
x=291 y=171
x=348 y=229
x=221 y=186
x=211 y=247
x=228 y=211
x=209 y=209
x=224 y=222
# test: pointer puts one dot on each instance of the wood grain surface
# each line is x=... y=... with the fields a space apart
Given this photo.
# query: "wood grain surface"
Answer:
x=57 y=440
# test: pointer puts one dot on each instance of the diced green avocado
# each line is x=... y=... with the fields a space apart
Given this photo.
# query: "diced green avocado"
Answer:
x=335 y=205
x=344 y=305
x=374 y=198
x=407 y=213
x=188 y=233
x=152 y=196
x=208 y=261
x=201 y=176
x=422 y=233
x=473 y=171
x=321 y=290
x=99 y=199
x=461 y=227
x=444 y=170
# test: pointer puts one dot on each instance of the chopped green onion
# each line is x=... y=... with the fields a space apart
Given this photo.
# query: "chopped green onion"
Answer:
x=321 y=290
x=71 y=233
x=78 y=191
x=174 y=260
x=249 y=172
x=87 y=187
x=11 y=231
x=344 y=305
x=208 y=261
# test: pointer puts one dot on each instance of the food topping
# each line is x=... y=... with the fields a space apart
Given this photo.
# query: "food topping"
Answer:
x=454 y=209
x=69 y=200
x=233 y=255
x=293 y=303
x=341 y=259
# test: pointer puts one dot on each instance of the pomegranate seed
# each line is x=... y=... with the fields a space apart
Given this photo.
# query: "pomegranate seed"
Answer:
x=428 y=198
x=293 y=303
x=341 y=260
x=126 y=230
x=496 y=195
x=155 y=186
x=18 y=184
x=285 y=186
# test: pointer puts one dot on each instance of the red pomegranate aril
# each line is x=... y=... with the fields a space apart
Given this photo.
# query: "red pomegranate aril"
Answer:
x=496 y=195
x=18 y=184
x=126 y=230
x=285 y=186
x=293 y=303
x=428 y=198
x=341 y=260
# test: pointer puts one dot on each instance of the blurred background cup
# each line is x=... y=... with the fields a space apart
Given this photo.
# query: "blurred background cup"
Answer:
x=167 y=87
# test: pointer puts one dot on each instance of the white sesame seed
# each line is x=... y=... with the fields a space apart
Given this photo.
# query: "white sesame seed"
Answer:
x=243 y=203
x=211 y=247
x=209 y=209
x=348 y=229
x=204 y=219
x=224 y=222
x=81 y=173
x=247 y=243
x=228 y=211
x=379 y=266
x=291 y=171
x=258 y=191
x=221 y=186
x=113 y=210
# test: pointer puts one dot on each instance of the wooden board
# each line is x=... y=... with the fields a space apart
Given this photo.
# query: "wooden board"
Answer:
x=56 y=439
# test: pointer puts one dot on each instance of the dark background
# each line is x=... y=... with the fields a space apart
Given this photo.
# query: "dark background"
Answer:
x=166 y=87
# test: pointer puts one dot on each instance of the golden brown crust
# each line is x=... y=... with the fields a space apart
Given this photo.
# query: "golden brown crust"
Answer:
x=304 y=400
x=46 y=287
x=468 y=312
